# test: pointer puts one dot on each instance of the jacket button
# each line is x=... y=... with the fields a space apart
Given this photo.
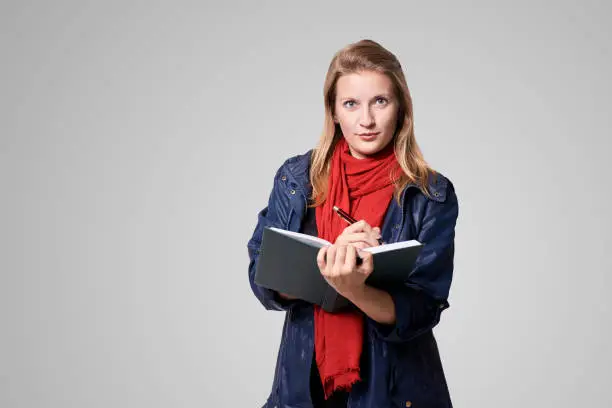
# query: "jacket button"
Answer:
x=284 y=178
x=436 y=194
x=408 y=404
x=292 y=191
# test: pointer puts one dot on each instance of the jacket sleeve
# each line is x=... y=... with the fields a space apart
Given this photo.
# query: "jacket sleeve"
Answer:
x=275 y=214
x=422 y=298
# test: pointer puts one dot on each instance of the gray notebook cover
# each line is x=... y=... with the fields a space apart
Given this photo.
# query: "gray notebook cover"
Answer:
x=288 y=264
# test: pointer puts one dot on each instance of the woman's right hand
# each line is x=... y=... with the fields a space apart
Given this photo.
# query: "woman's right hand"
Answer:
x=360 y=235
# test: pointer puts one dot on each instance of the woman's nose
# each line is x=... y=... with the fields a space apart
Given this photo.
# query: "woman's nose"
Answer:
x=367 y=119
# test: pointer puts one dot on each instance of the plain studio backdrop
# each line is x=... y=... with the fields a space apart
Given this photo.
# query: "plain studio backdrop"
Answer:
x=138 y=141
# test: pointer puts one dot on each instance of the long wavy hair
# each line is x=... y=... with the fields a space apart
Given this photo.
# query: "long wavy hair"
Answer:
x=368 y=55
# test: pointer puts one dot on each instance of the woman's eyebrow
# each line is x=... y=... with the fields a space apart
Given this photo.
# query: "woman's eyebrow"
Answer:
x=382 y=95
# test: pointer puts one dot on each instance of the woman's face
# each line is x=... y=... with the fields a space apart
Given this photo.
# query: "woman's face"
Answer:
x=366 y=110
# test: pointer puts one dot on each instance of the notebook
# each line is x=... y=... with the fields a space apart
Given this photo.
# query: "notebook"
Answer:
x=288 y=264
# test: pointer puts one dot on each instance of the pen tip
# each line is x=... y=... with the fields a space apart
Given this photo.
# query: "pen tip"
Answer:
x=335 y=208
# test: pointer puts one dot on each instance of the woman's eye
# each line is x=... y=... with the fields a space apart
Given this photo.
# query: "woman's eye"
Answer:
x=349 y=104
x=381 y=101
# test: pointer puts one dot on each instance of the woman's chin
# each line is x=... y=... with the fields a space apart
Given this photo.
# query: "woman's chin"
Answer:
x=365 y=151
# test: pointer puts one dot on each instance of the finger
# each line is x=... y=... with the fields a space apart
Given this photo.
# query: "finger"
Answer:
x=367 y=264
x=350 y=260
x=339 y=261
x=331 y=254
x=359 y=226
x=321 y=258
x=349 y=237
x=377 y=232
x=331 y=259
x=371 y=239
x=378 y=235
x=360 y=245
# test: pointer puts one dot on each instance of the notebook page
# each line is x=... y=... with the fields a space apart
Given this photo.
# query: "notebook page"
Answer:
x=318 y=242
x=391 y=247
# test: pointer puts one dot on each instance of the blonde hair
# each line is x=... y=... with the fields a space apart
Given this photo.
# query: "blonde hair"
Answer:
x=368 y=55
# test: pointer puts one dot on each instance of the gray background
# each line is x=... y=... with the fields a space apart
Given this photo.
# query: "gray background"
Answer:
x=138 y=140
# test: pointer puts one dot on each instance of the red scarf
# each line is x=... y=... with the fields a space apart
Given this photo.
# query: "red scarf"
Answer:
x=363 y=188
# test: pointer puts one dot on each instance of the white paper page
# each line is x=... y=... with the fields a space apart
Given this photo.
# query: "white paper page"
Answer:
x=391 y=247
x=319 y=242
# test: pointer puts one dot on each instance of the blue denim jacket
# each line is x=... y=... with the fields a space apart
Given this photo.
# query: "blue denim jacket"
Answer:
x=400 y=364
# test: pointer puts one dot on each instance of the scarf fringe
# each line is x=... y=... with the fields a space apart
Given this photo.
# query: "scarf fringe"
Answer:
x=341 y=381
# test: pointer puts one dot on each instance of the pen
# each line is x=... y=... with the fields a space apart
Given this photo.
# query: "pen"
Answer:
x=350 y=220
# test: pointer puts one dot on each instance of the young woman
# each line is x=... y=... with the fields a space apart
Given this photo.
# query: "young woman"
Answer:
x=381 y=352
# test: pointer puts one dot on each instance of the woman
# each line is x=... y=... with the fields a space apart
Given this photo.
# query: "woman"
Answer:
x=381 y=352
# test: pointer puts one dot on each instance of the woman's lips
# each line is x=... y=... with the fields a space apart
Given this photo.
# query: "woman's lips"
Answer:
x=368 y=136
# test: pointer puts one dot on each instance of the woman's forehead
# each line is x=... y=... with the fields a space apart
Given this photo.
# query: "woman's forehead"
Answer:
x=364 y=84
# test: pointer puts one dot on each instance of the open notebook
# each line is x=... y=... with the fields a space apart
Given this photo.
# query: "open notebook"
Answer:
x=288 y=263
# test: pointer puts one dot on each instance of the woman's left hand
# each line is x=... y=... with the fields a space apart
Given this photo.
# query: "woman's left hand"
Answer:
x=341 y=270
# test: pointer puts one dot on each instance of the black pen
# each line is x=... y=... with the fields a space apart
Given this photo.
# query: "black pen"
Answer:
x=351 y=220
